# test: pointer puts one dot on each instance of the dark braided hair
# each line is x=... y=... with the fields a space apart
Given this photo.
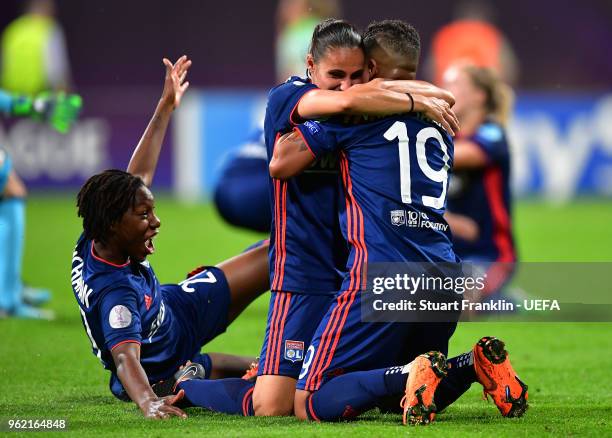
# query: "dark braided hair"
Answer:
x=333 y=33
x=103 y=200
x=395 y=36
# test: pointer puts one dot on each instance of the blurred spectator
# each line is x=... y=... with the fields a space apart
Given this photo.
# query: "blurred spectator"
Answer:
x=472 y=37
x=296 y=19
x=34 y=56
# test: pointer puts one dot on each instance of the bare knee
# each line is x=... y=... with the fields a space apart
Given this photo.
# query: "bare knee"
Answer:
x=299 y=404
x=273 y=396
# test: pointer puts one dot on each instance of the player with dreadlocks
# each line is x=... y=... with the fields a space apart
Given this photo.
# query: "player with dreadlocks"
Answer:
x=140 y=330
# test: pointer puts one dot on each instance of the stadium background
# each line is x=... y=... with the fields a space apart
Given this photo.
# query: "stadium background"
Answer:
x=563 y=126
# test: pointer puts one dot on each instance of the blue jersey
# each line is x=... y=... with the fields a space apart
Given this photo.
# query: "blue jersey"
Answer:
x=241 y=195
x=484 y=196
x=307 y=251
x=395 y=174
x=124 y=303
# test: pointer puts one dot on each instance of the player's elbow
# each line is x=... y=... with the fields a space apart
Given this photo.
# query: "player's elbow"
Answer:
x=278 y=169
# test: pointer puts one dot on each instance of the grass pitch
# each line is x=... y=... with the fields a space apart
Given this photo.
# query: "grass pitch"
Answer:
x=48 y=371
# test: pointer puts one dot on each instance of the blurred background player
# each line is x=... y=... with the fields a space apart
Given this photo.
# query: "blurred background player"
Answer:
x=34 y=55
x=472 y=37
x=480 y=201
x=17 y=299
x=34 y=61
x=241 y=194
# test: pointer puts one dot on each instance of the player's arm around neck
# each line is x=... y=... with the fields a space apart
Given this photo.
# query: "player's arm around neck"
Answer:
x=291 y=156
x=144 y=159
x=360 y=99
x=419 y=87
x=136 y=383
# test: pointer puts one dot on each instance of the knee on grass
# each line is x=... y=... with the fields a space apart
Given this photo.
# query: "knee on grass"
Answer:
x=273 y=396
x=272 y=405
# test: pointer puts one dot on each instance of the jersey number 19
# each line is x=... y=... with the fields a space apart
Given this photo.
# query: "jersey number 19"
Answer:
x=399 y=131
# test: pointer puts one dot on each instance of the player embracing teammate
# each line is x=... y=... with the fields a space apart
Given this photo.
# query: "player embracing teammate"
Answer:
x=391 y=164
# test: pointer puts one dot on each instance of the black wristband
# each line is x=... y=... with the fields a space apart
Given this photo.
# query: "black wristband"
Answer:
x=411 y=102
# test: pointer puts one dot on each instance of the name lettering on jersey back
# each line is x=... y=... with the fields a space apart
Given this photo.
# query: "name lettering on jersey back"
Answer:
x=80 y=288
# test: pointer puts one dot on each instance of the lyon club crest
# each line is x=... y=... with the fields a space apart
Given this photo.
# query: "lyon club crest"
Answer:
x=398 y=217
x=294 y=350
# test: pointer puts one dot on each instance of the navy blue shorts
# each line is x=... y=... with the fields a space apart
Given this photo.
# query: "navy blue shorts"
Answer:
x=343 y=343
x=292 y=320
x=200 y=306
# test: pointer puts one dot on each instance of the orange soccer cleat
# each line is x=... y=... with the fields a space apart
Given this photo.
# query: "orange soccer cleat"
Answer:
x=425 y=374
x=499 y=380
x=251 y=373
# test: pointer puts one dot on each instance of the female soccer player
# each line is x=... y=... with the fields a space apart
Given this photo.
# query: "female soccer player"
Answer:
x=143 y=332
x=479 y=201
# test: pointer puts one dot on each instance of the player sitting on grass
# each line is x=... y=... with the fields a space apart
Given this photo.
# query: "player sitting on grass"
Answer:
x=378 y=179
x=140 y=330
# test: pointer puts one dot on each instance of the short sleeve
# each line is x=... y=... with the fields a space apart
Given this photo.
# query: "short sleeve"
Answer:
x=491 y=139
x=283 y=101
x=119 y=317
x=319 y=137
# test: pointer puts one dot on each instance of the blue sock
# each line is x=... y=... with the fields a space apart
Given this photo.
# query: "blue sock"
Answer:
x=345 y=397
x=12 y=224
x=460 y=377
x=230 y=396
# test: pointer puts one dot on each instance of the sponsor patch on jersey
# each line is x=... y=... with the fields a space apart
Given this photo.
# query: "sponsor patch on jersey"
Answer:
x=119 y=317
x=414 y=219
x=294 y=350
x=313 y=127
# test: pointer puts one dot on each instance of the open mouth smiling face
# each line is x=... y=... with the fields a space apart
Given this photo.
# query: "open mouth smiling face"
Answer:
x=139 y=226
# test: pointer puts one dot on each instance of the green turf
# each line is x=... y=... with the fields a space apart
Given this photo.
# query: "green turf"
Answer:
x=48 y=371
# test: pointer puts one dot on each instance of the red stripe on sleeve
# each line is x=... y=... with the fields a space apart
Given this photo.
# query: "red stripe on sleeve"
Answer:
x=128 y=341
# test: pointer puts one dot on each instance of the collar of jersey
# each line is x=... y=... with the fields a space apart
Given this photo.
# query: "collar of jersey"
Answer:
x=100 y=259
